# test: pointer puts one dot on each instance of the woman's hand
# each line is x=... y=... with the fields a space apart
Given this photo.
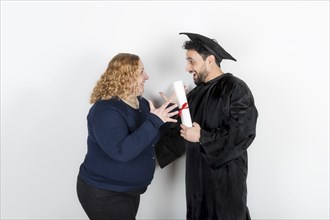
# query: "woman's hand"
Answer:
x=173 y=97
x=164 y=111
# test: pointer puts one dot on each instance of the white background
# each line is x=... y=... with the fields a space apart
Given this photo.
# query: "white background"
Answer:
x=52 y=54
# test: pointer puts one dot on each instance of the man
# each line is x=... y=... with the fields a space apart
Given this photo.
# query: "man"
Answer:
x=224 y=124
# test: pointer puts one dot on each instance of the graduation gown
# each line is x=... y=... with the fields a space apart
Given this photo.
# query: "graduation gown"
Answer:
x=216 y=168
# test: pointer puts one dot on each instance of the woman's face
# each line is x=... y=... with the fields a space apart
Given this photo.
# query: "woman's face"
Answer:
x=143 y=76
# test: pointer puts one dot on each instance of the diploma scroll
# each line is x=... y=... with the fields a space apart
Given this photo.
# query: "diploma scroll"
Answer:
x=184 y=112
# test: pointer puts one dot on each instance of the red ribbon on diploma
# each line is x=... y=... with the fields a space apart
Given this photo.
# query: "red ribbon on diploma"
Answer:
x=184 y=106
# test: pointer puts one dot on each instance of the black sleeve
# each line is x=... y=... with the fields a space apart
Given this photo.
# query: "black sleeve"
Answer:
x=171 y=145
x=232 y=139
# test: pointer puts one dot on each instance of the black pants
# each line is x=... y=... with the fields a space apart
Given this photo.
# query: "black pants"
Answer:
x=102 y=204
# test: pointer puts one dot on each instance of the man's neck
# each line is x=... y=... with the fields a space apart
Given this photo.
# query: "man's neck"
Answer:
x=216 y=72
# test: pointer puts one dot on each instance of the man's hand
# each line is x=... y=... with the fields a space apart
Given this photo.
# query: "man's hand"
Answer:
x=192 y=134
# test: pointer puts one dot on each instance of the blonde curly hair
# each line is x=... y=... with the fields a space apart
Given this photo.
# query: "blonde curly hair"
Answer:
x=117 y=80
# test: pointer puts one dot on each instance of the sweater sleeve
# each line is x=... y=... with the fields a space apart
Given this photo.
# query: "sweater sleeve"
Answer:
x=114 y=137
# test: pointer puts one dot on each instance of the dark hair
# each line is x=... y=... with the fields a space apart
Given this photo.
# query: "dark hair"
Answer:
x=199 y=47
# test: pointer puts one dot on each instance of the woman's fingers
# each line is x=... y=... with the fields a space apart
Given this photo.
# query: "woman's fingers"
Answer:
x=171 y=114
x=173 y=97
x=164 y=96
x=170 y=108
x=164 y=106
x=165 y=111
x=151 y=105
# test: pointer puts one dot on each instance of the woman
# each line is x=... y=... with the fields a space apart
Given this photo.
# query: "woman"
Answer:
x=122 y=130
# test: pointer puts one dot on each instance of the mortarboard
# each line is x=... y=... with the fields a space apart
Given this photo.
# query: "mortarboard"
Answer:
x=211 y=45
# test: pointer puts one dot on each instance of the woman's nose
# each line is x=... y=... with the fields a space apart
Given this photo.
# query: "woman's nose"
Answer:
x=146 y=77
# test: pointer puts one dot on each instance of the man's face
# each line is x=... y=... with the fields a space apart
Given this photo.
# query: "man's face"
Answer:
x=196 y=66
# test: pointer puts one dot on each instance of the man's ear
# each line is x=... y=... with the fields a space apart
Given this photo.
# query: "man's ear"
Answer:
x=210 y=59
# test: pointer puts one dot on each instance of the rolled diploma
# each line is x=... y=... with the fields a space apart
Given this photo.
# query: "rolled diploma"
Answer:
x=182 y=99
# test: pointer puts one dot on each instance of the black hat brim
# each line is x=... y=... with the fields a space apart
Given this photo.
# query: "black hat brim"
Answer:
x=211 y=45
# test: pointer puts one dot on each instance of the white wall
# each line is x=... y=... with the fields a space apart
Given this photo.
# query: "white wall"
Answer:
x=52 y=53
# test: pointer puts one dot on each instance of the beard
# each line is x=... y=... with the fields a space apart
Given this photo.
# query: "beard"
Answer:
x=200 y=77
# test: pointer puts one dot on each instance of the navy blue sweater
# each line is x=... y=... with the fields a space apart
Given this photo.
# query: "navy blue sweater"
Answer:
x=120 y=155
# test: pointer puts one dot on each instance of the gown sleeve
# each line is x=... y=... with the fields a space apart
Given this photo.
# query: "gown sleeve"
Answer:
x=236 y=134
x=171 y=145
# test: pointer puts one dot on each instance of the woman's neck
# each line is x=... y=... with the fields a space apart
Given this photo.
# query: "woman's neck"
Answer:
x=131 y=101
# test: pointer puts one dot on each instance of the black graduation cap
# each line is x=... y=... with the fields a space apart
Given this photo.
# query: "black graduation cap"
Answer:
x=211 y=45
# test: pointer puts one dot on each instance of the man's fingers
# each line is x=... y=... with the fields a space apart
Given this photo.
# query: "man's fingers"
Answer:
x=195 y=124
x=185 y=89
